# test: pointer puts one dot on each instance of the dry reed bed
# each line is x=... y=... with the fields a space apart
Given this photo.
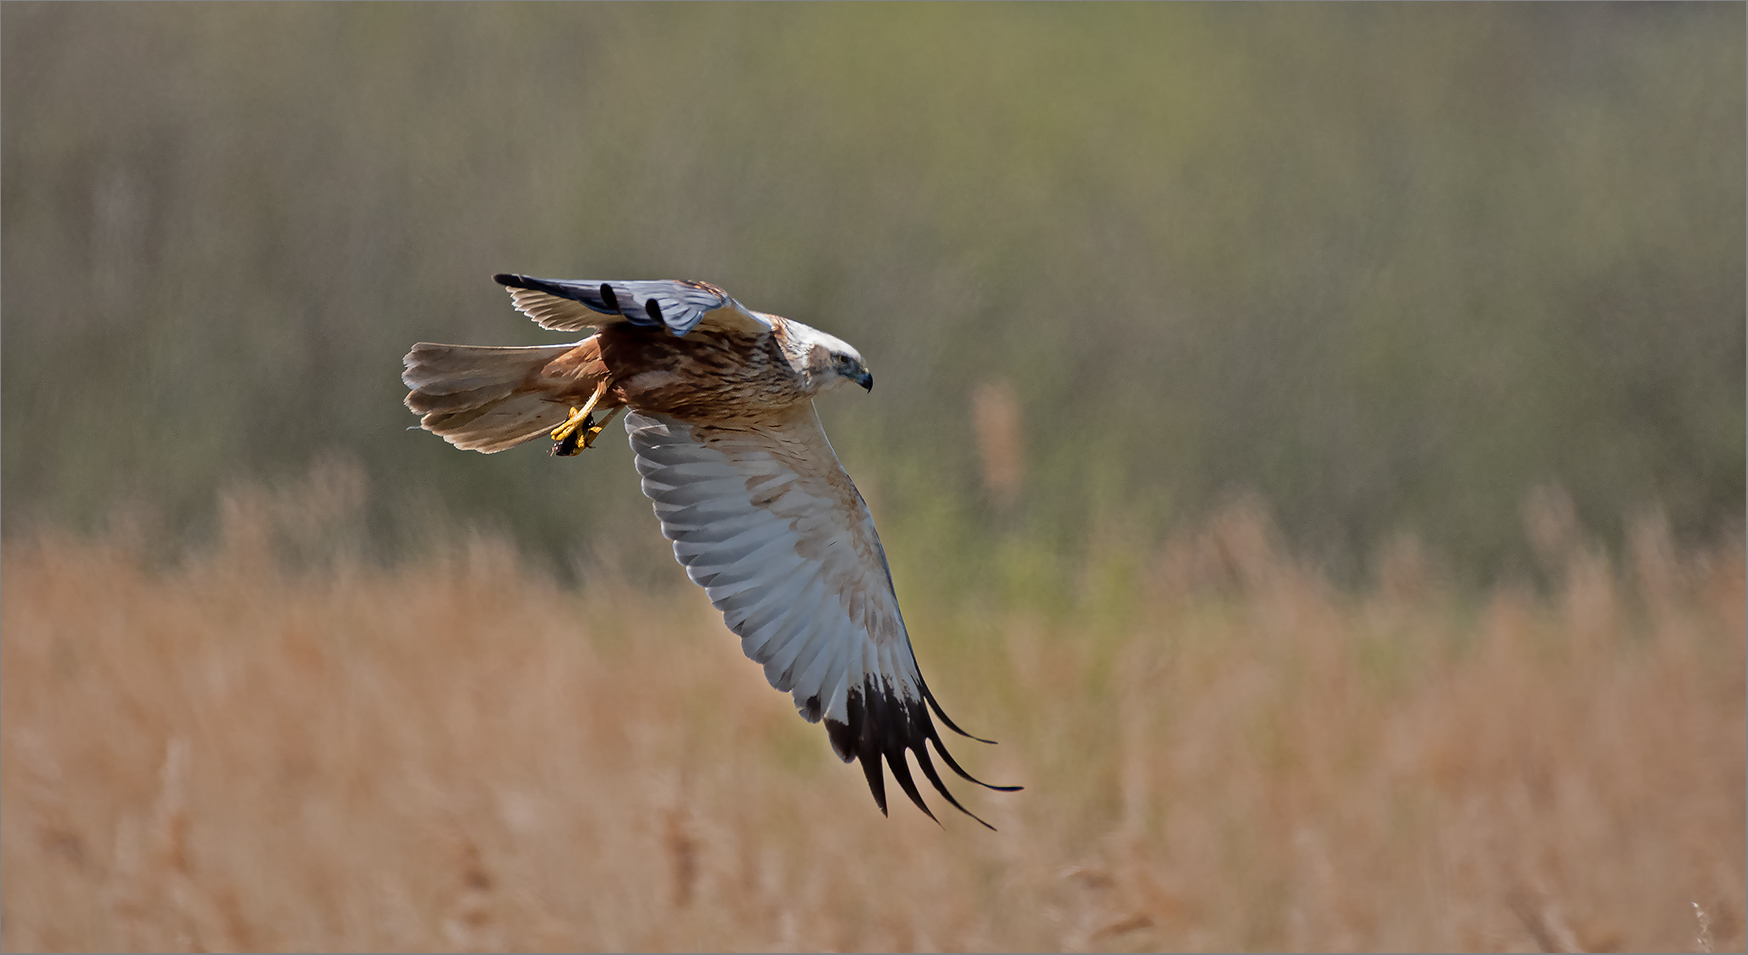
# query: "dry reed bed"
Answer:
x=461 y=754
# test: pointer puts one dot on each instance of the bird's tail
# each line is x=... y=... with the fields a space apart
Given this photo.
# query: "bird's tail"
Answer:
x=483 y=398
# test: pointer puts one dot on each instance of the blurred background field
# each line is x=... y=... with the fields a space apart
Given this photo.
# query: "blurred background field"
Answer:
x=1310 y=437
x=1220 y=749
x=1388 y=268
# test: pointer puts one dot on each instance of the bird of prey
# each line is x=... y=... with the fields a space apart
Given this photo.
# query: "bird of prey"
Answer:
x=762 y=516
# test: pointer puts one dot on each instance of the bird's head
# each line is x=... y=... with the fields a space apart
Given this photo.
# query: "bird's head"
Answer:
x=828 y=361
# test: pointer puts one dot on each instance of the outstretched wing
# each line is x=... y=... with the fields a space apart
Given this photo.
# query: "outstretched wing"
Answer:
x=767 y=522
x=569 y=305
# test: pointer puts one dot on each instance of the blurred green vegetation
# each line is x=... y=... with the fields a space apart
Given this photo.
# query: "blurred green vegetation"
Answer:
x=1388 y=267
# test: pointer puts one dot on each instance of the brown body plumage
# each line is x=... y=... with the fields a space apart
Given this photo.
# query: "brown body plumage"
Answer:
x=718 y=377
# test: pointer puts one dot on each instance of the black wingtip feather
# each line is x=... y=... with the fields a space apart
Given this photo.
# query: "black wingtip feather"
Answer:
x=599 y=300
x=928 y=768
x=881 y=726
x=868 y=746
x=959 y=771
x=895 y=741
x=936 y=706
x=843 y=740
x=901 y=772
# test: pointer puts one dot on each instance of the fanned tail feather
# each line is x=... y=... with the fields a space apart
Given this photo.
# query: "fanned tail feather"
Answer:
x=478 y=397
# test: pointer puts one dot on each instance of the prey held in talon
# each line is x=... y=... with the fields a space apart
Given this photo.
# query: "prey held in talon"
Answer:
x=718 y=403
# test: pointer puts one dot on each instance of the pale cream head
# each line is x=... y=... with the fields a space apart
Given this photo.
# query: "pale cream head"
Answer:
x=826 y=361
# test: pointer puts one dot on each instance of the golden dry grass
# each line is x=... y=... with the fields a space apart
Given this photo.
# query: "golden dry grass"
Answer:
x=1229 y=754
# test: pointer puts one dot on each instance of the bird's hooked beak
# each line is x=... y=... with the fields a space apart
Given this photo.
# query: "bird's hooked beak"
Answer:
x=865 y=378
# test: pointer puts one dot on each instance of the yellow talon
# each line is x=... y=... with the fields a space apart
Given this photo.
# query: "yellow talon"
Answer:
x=581 y=418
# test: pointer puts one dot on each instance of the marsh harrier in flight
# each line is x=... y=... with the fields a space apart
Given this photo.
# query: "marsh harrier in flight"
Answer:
x=762 y=516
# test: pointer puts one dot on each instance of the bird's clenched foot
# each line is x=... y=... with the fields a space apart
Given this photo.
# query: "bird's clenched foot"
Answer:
x=566 y=437
x=580 y=429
